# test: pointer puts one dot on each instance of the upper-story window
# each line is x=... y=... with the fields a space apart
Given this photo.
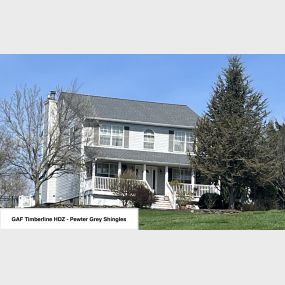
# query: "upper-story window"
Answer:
x=183 y=141
x=148 y=139
x=111 y=135
x=72 y=137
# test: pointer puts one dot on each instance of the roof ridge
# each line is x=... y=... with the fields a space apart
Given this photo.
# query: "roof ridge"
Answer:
x=124 y=99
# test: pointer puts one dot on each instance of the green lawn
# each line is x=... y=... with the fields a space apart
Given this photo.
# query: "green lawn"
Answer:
x=185 y=220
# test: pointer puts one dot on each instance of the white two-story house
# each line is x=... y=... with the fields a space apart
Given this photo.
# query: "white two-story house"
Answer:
x=153 y=139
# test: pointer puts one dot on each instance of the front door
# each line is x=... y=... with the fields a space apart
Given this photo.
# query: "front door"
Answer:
x=151 y=177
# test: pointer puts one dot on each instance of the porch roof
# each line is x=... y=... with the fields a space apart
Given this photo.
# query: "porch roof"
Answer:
x=119 y=154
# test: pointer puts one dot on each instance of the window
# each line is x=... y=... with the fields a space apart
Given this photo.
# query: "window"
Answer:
x=107 y=169
x=111 y=135
x=189 y=141
x=181 y=174
x=183 y=141
x=88 y=166
x=105 y=134
x=72 y=136
x=179 y=141
x=148 y=139
x=117 y=135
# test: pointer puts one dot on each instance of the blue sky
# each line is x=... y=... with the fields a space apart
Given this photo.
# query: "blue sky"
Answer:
x=182 y=79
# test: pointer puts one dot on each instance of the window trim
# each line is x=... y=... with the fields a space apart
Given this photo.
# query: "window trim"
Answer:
x=182 y=174
x=184 y=141
x=111 y=135
x=109 y=169
x=144 y=133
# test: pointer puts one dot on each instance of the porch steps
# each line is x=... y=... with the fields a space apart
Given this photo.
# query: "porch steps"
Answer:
x=161 y=202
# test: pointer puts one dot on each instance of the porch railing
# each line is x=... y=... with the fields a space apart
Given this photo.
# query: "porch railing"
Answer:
x=104 y=183
x=171 y=194
x=198 y=190
x=108 y=183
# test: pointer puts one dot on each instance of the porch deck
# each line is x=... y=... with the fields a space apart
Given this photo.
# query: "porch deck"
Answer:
x=105 y=185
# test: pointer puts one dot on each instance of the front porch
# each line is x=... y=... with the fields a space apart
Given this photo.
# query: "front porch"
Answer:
x=100 y=177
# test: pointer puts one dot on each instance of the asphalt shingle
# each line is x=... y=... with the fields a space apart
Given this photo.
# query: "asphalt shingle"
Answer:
x=134 y=111
x=137 y=156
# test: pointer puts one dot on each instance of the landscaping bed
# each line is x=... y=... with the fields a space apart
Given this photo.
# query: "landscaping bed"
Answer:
x=212 y=211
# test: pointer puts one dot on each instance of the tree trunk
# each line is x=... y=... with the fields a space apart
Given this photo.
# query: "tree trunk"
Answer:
x=37 y=194
x=232 y=199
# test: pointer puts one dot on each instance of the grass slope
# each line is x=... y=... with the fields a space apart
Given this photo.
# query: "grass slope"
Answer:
x=185 y=220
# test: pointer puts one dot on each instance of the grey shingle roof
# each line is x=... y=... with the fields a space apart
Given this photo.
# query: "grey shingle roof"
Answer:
x=137 y=156
x=134 y=111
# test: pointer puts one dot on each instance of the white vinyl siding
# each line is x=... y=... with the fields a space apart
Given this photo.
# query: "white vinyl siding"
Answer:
x=67 y=187
x=136 y=138
x=111 y=135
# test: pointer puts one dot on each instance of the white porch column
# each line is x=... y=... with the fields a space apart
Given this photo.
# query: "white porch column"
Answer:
x=91 y=199
x=93 y=175
x=193 y=179
x=119 y=168
x=219 y=183
x=166 y=174
x=144 y=172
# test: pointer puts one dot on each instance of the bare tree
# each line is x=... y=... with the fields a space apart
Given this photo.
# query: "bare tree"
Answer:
x=124 y=187
x=5 y=150
x=12 y=185
x=47 y=142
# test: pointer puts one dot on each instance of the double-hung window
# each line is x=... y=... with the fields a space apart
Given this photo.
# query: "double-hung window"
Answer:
x=117 y=135
x=183 y=141
x=179 y=141
x=105 y=134
x=189 y=141
x=111 y=135
x=149 y=139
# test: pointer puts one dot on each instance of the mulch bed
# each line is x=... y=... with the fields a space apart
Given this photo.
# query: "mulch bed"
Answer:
x=74 y=206
x=213 y=211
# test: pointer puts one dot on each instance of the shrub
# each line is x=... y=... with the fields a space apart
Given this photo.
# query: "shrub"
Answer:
x=210 y=201
x=265 y=198
x=143 y=197
x=249 y=207
x=183 y=198
x=124 y=187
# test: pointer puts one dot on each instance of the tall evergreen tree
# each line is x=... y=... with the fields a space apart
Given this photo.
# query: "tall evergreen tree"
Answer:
x=276 y=154
x=230 y=133
x=281 y=163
